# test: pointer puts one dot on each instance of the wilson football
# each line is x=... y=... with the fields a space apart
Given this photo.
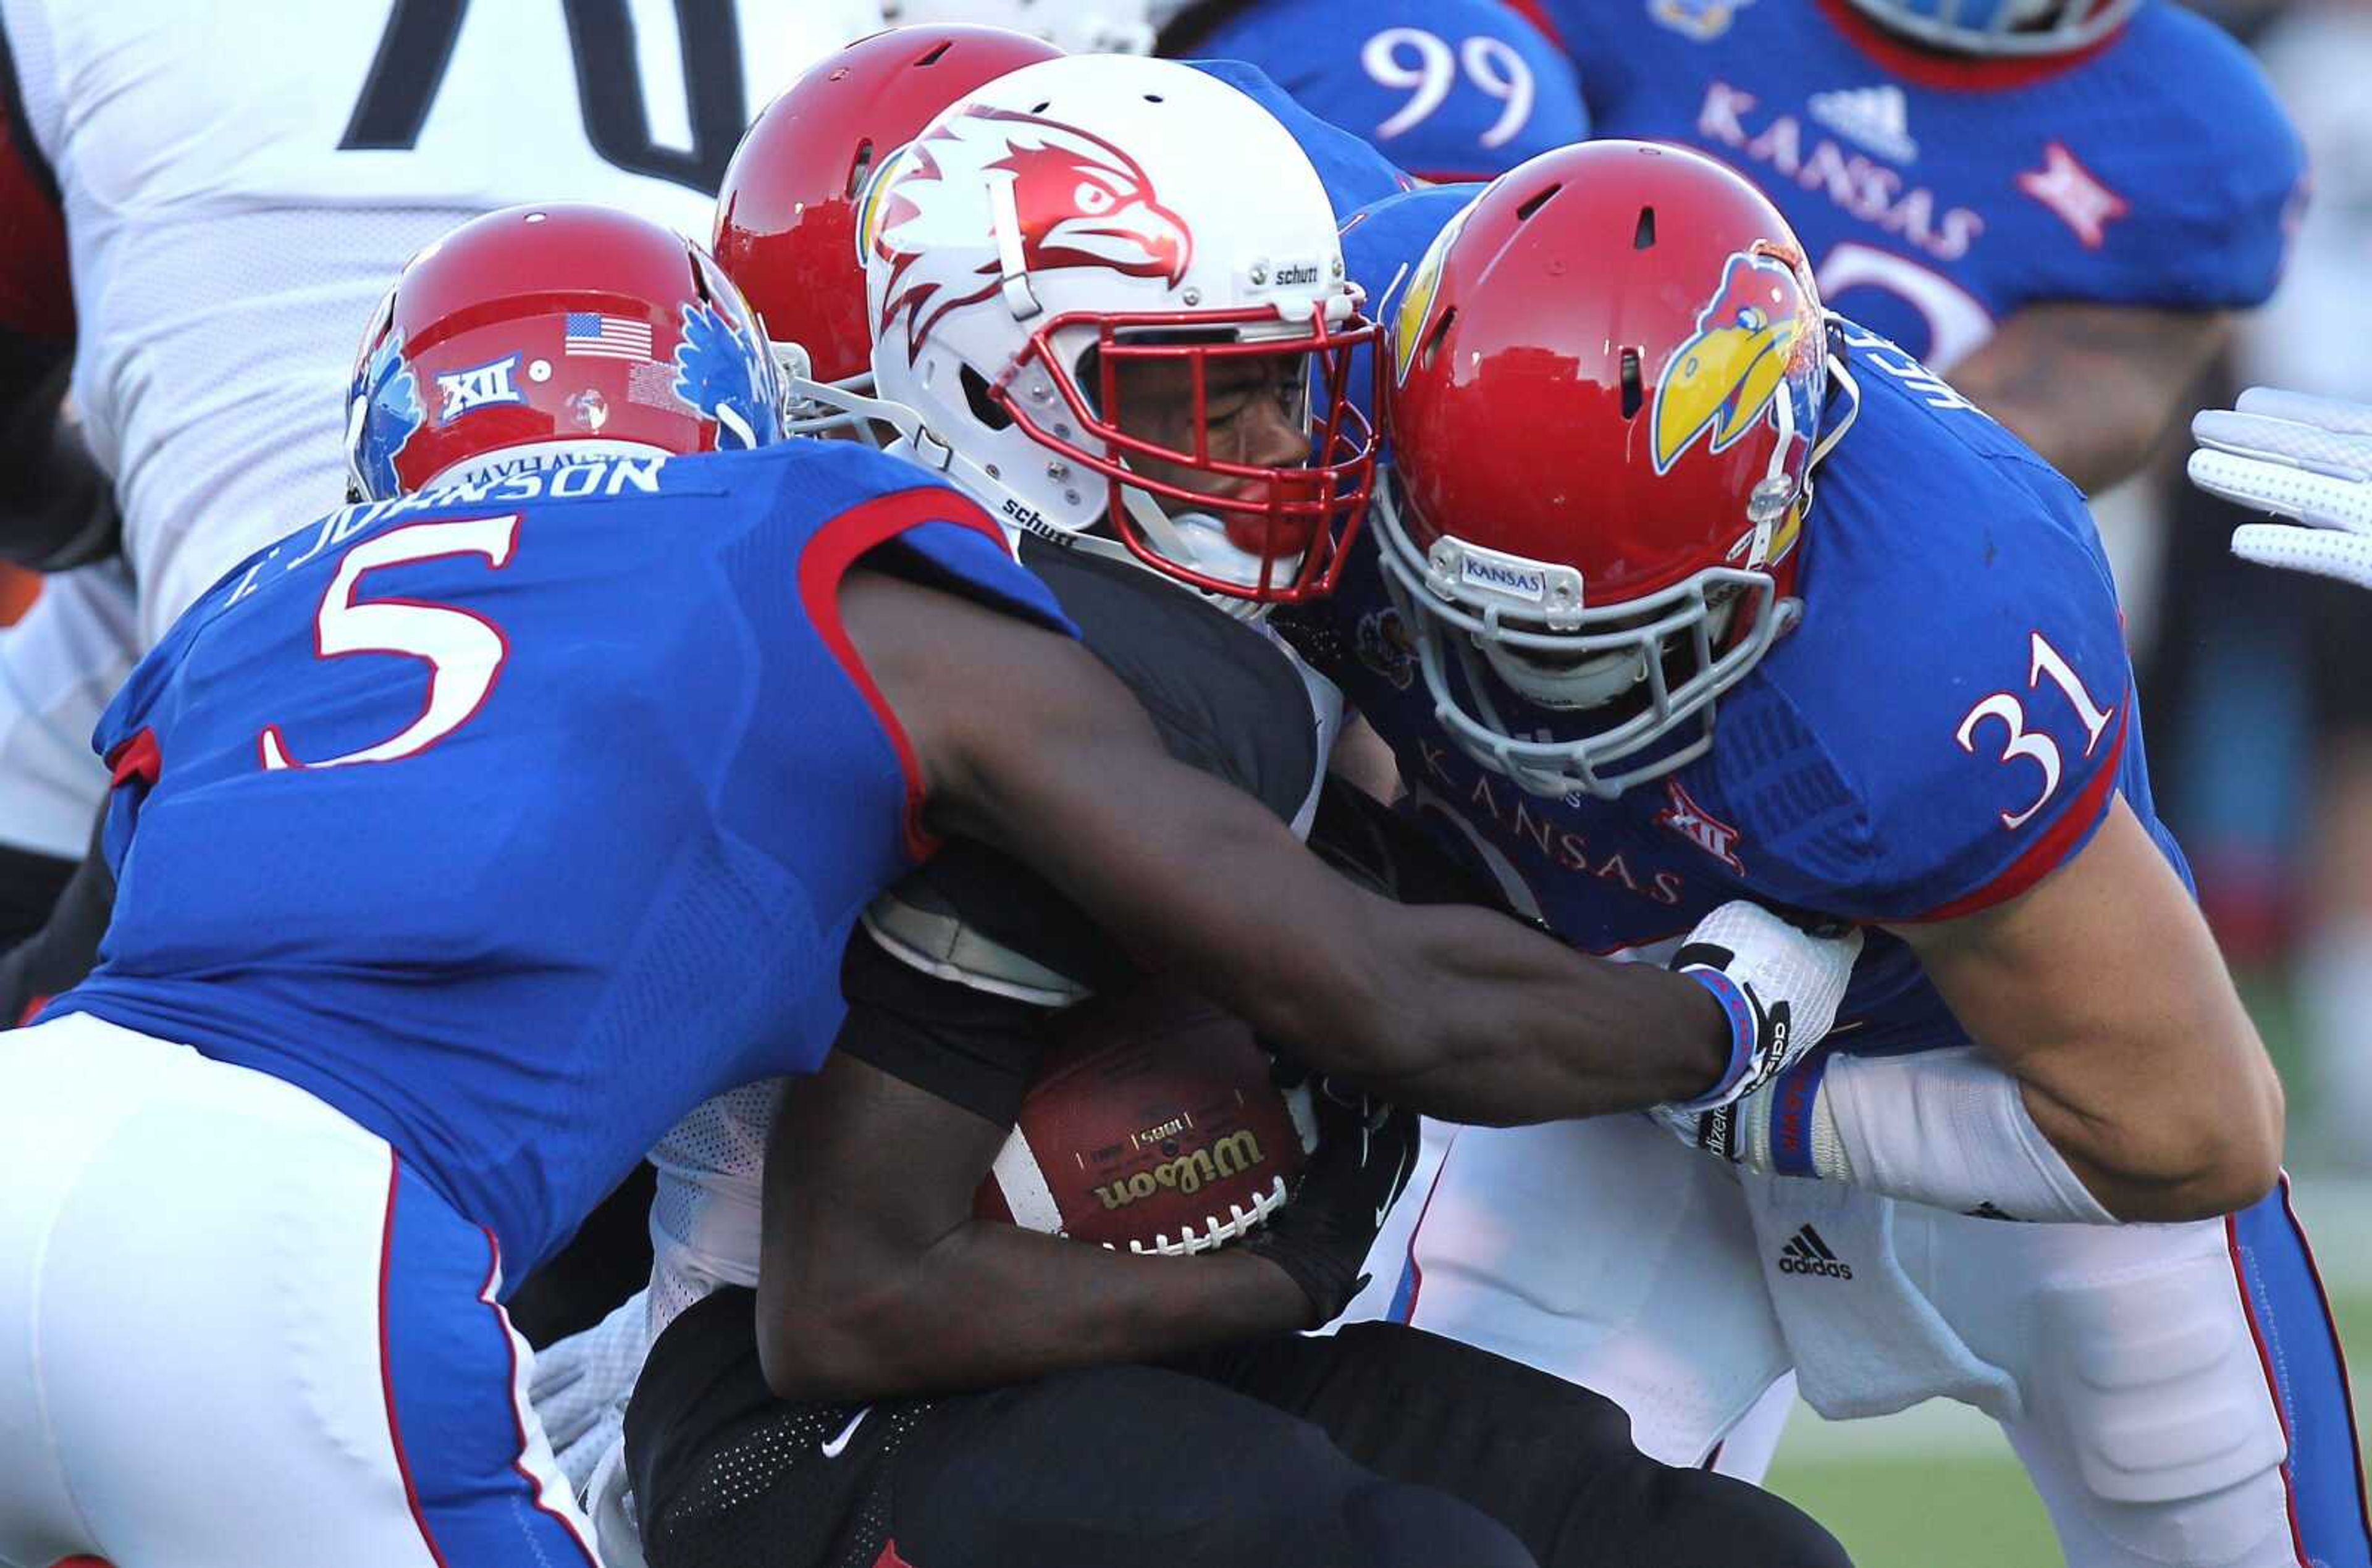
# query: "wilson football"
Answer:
x=1151 y=1125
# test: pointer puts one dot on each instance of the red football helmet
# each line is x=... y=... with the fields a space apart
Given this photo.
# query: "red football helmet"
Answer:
x=787 y=213
x=536 y=336
x=1608 y=380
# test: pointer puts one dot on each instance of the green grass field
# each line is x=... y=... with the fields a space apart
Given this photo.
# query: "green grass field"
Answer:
x=1958 y=1504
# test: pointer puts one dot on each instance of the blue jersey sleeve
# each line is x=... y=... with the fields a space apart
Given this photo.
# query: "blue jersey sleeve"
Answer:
x=1449 y=89
x=1385 y=249
x=1960 y=671
x=1353 y=173
x=2202 y=183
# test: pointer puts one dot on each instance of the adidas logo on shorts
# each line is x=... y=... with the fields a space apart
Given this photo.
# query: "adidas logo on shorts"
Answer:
x=1805 y=1253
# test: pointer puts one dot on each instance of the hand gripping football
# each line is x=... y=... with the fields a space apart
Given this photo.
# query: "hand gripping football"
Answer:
x=1153 y=1124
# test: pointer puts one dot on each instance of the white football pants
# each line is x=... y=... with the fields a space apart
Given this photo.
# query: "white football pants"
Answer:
x=2174 y=1392
x=237 y=1331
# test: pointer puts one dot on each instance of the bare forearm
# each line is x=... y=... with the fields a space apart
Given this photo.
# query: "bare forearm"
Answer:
x=1535 y=1032
x=2100 y=991
x=2119 y=1170
x=1460 y=1012
x=1200 y=881
x=2091 y=388
x=994 y=1303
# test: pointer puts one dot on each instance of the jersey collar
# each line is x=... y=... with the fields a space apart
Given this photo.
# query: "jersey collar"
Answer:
x=1957 y=73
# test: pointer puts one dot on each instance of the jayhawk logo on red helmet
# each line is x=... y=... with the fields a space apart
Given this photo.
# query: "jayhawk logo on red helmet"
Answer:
x=1753 y=339
x=1077 y=202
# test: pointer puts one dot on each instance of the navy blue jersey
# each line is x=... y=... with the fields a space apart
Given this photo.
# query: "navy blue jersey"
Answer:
x=515 y=818
x=1951 y=720
x=1353 y=173
x=1448 y=89
x=1934 y=195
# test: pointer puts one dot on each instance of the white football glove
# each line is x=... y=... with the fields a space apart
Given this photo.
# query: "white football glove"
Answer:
x=1781 y=985
x=579 y=1386
x=2295 y=455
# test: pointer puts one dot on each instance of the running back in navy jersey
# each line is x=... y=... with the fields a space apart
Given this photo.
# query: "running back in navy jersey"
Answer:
x=1935 y=195
x=1950 y=721
x=513 y=819
x=1448 y=89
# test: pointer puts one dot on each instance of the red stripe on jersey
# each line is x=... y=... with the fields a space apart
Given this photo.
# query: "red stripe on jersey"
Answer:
x=822 y=564
x=2273 y=1385
x=487 y=1294
x=2046 y=854
x=1954 y=73
x=1535 y=13
x=36 y=289
x=136 y=757
x=18 y=589
x=2338 y=1350
x=387 y=1368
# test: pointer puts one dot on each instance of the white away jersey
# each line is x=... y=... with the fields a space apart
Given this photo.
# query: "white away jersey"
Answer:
x=240 y=183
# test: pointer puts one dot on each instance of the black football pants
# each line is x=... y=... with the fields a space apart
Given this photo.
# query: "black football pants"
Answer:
x=1381 y=1448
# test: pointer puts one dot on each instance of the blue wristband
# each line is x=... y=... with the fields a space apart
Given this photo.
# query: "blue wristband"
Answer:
x=1792 y=1100
x=1742 y=1036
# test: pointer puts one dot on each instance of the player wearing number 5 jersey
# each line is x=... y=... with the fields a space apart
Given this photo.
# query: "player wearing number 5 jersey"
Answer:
x=470 y=837
x=2051 y=202
x=1738 y=597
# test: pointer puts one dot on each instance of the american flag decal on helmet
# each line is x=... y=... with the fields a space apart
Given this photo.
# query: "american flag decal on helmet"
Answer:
x=588 y=334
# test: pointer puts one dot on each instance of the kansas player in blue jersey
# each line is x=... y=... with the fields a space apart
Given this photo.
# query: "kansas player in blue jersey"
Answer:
x=1616 y=507
x=1447 y=89
x=2055 y=203
x=467 y=838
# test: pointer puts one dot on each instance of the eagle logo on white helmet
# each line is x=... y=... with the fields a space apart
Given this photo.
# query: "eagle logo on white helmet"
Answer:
x=1053 y=196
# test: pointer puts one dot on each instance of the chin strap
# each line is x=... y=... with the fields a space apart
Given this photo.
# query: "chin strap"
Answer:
x=1832 y=431
x=1184 y=539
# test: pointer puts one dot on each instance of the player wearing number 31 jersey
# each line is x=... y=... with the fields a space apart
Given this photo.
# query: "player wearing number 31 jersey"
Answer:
x=1682 y=588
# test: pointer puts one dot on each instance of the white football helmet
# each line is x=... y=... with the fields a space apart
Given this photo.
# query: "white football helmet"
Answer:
x=2002 y=27
x=1093 y=213
x=1076 y=27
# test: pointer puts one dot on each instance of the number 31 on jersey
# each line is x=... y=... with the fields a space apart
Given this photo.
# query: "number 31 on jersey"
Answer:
x=2035 y=746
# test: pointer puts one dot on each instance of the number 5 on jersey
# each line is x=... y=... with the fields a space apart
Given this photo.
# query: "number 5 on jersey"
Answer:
x=2035 y=746
x=463 y=652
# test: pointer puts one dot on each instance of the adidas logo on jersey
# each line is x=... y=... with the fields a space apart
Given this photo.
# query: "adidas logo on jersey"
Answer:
x=1805 y=1253
x=1879 y=118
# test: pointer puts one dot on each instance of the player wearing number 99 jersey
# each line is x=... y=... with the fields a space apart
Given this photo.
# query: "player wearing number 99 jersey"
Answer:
x=2056 y=220
x=1448 y=89
x=1681 y=590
